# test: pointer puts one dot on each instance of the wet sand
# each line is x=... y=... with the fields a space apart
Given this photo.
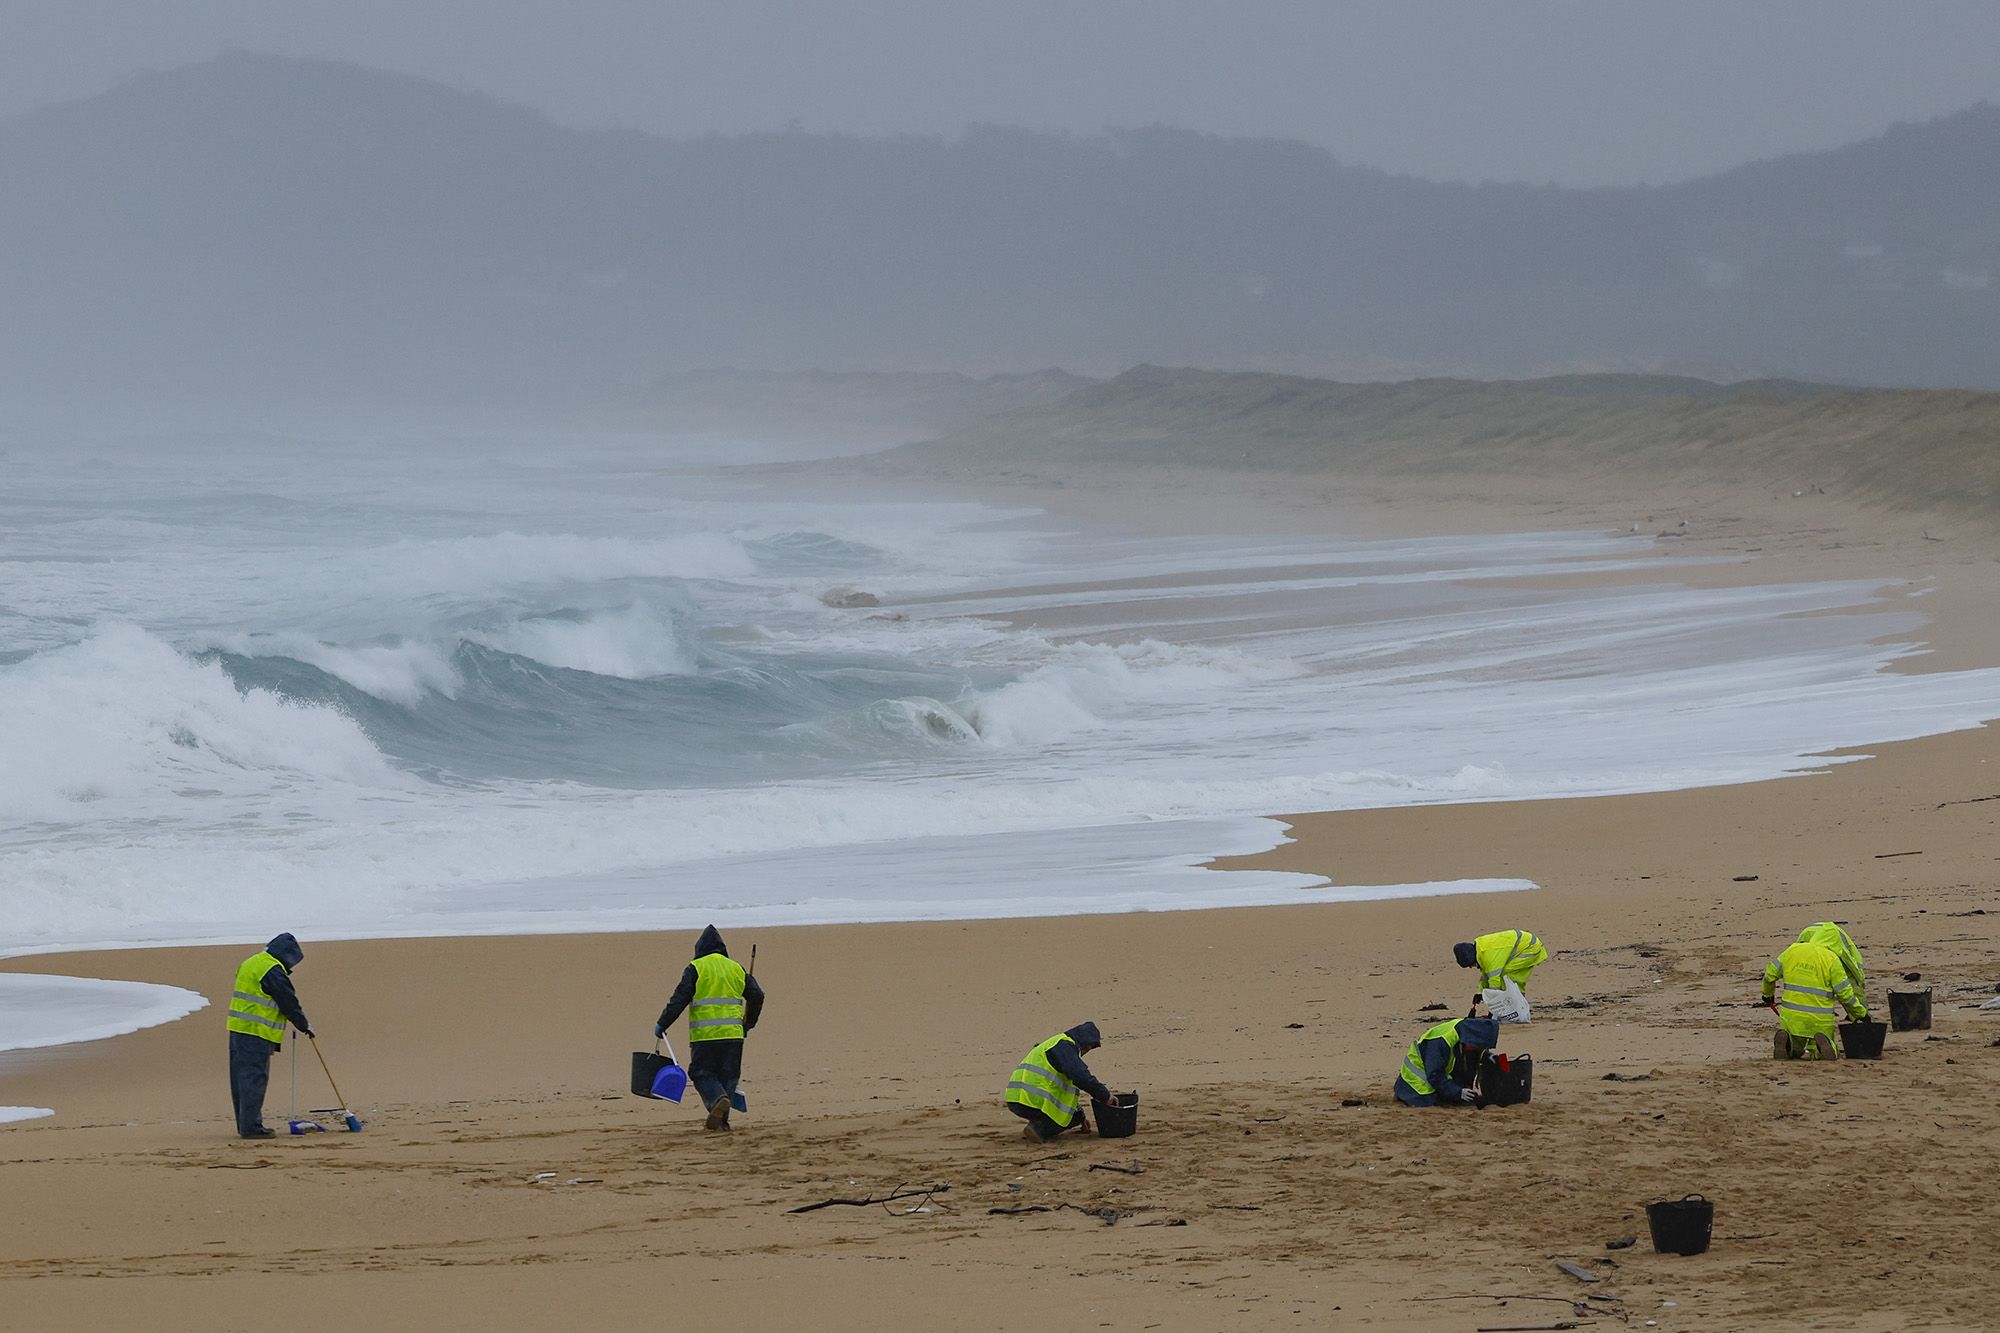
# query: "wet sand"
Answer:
x=1852 y=1195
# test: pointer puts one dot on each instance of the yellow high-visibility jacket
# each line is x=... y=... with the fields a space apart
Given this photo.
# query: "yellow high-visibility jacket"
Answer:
x=1508 y=953
x=1807 y=979
x=1829 y=935
x=717 y=1011
x=1036 y=1083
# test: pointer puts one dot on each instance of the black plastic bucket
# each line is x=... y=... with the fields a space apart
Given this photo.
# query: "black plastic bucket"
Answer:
x=1681 y=1226
x=646 y=1066
x=1910 y=1010
x=1118 y=1118
x=1863 y=1041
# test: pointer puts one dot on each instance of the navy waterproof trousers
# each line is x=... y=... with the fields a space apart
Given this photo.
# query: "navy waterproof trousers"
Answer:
x=714 y=1067
x=249 y=1075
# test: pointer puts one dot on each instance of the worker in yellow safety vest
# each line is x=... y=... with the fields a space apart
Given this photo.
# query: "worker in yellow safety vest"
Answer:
x=1505 y=955
x=722 y=1002
x=262 y=1001
x=1801 y=986
x=1046 y=1089
x=1829 y=935
x=1438 y=1067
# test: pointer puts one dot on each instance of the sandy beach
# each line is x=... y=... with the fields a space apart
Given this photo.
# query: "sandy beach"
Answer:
x=504 y=1180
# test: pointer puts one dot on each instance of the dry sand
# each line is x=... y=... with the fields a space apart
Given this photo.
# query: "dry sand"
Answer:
x=1854 y=1195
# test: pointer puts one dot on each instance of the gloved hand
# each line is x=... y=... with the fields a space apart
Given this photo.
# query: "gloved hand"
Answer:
x=1772 y=1005
x=1467 y=1095
x=307 y=1031
x=659 y=1034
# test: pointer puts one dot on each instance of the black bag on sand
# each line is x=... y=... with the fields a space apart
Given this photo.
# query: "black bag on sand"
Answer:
x=646 y=1066
x=1503 y=1081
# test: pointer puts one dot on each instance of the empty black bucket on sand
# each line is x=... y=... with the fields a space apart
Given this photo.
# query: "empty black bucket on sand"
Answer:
x=1118 y=1118
x=1910 y=1010
x=1681 y=1226
x=1863 y=1041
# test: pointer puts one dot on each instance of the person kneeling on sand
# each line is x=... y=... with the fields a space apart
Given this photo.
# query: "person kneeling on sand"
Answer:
x=1800 y=987
x=723 y=1003
x=1044 y=1088
x=1503 y=956
x=1829 y=935
x=1438 y=1067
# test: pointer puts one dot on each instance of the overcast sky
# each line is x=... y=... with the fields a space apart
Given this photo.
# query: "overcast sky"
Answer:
x=1574 y=91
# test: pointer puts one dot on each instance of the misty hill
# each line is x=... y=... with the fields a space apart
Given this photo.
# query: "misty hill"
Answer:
x=883 y=407
x=261 y=226
x=1932 y=448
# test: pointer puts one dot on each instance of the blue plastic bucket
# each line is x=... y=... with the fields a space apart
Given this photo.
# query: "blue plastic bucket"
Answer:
x=670 y=1082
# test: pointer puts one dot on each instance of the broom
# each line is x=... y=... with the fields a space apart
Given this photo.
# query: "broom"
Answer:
x=353 y=1120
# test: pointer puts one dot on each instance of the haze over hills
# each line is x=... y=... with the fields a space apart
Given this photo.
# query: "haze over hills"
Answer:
x=276 y=229
x=1922 y=449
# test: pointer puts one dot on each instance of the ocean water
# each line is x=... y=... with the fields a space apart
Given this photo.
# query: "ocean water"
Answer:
x=353 y=686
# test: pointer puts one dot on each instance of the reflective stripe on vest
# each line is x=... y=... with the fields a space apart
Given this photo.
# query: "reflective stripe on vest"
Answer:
x=1413 y=1059
x=251 y=1011
x=1037 y=1084
x=1523 y=940
x=1810 y=961
x=717 y=1011
x=1829 y=936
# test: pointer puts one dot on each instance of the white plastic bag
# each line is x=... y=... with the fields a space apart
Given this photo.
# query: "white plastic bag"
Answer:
x=1507 y=1004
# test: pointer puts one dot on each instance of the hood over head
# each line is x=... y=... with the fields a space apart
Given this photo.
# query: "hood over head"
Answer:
x=1479 y=1033
x=1466 y=955
x=710 y=942
x=1085 y=1034
x=285 y=948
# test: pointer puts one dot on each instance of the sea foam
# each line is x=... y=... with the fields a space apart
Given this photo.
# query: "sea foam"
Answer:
x=433 y=693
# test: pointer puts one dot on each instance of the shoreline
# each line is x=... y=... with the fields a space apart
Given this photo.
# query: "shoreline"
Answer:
x=1245 y=1029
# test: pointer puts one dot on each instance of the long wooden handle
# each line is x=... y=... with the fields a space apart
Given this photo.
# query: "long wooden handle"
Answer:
x=329 y=1074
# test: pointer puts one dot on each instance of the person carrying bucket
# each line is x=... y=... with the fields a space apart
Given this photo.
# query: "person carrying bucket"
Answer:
x=1438 y=1067
x=1829 y=935
x=1045 y=1087
x=1503 y=956
x=262 y=1002
x=1800 y=987
x=722 y=1003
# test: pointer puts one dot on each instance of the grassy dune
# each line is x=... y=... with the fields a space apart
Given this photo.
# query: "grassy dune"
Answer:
x=1907 y=448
